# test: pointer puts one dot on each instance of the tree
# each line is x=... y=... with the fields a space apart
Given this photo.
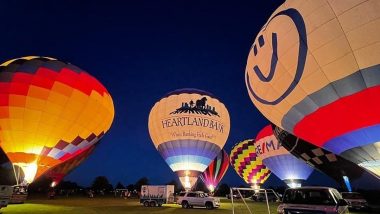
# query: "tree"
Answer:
x=140 y=182
x=119 y=185
x=68 y=185
x=131 y=187
x=101 y=183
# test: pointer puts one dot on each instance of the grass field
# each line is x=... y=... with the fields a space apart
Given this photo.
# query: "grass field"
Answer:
x=117 y=205
x=78 y=205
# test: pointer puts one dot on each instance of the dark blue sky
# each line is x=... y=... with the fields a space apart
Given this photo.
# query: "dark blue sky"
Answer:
x=140 y=50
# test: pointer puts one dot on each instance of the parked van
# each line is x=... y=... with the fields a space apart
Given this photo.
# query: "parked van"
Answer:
x=323 y=200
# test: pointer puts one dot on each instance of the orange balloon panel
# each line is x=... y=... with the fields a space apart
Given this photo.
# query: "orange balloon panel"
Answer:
x=49 y=112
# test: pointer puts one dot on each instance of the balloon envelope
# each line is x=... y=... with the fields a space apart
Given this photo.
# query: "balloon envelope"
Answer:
x=189 y=127
x=279 y=161
x=314 y=70
x=248 y=165
x=216 y=170
x=327 y=162
x=50 y=111
x=57 y=173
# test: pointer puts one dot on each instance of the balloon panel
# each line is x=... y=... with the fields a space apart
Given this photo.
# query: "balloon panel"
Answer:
x=215 y=171
x=247 y=164
x=277 y=159
x=60 y=171
x=49 y=112
x=189 y=127
x=327 y=162
x=310 y=61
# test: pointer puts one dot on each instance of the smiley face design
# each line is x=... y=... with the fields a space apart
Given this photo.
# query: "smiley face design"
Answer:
x=271 y=40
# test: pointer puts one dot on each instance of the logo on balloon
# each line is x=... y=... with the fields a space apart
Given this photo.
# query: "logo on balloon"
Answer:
x=198 y=107
x=257 y=73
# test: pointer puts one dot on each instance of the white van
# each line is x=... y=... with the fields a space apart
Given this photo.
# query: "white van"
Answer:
x=324 y=200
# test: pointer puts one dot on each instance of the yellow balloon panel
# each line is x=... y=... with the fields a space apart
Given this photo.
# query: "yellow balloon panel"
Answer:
x=168 y=122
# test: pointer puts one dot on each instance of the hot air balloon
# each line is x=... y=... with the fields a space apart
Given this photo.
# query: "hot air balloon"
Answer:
x=215 y=171
x=314 y=71
x=189 y=127
x=248 y=165
x=50 y=111
x=57 y=173
x=336 y=167
x=279 y=161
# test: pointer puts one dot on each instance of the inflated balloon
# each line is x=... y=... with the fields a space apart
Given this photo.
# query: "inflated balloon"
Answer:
x=50 y=111
x=327 y=162
x=279 y=161
x=215 y=171
x=248 y=165
x=189 y=127
x=314 y=70
x=57 y=173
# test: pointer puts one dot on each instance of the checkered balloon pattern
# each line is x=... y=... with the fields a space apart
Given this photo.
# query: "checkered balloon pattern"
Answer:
x=247 y=164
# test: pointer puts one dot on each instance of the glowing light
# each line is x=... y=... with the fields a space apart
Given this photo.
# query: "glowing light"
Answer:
x=294 y=185
x=53 y=184
x=255 y=187
x=187 y=182
x=347 y=182
x=211 y=188
x=29 y=169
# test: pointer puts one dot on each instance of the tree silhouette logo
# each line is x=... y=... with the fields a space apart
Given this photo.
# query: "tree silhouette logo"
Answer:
x=199 y=107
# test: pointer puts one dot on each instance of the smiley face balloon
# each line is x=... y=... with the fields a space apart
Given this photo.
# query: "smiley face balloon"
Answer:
x=314 y=70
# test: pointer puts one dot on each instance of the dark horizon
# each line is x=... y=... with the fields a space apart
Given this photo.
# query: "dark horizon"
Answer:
x=140 y=51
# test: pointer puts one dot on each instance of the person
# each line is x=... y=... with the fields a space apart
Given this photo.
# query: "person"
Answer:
x=90 y=194
x=51 y=193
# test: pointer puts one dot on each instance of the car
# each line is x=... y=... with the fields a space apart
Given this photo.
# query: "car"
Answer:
x=355 y=200
x=199 y=199
x=324 y=200
x=235 y=195
x=260 y=196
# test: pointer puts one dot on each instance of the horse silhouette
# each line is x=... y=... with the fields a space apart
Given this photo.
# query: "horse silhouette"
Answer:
x=200 y=104
x=200 y=107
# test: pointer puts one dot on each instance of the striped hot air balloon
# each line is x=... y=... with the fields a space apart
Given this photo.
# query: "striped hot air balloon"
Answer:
x=215 y=171
x=189 y=127
x=248 y=165
x=279 y=161
x=314 y=71
x=50 y=111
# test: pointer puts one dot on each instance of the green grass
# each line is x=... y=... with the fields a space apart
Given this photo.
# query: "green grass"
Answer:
x=82 y=205
x=117 y=205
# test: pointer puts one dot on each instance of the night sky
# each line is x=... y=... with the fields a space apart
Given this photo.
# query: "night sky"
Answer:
x=141 y=50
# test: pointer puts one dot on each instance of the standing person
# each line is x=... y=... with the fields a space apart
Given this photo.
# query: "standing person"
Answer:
x=51 y=193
